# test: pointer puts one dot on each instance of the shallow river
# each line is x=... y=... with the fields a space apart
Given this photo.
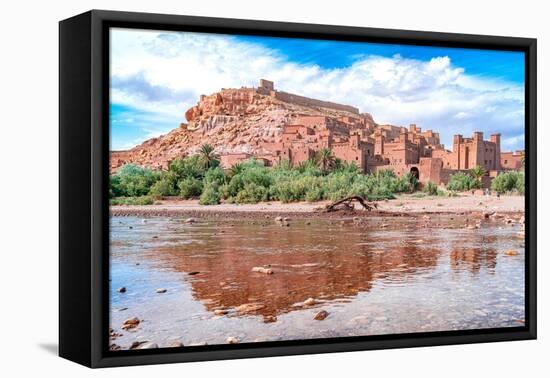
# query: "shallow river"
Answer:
x=372 y=276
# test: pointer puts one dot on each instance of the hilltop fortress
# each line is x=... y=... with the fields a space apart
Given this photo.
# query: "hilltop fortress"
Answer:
x=273 y=125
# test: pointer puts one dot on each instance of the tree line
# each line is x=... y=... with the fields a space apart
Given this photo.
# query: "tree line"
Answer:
x=323 y=178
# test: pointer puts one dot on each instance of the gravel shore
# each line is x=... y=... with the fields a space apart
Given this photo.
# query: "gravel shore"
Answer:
x=405 y=204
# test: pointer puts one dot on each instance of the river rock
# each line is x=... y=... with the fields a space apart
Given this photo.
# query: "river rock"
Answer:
x=232 y=340
x=174 y=344
x=193 y=273
x=278 y=219
x=148 y=345
x=190 y=220
x=220 y=312
x=136 y=344
x=121 y=289
x=248 y=308
x=114 y=347
x=261 y=269
x=488 y=214
x=309 y=302
x=511 y=252
x=321 y=315
x=160 y=291
x=130 y=323
x=270 y=319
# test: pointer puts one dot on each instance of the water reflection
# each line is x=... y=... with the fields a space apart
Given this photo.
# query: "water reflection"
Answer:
x=322 y=261
x=370 y=275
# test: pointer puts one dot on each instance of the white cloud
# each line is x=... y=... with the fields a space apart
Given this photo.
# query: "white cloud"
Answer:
x=165 y=72
x=512 y=143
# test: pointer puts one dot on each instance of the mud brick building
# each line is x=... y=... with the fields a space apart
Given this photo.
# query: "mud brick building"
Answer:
x=272 y=125
x=356 y=138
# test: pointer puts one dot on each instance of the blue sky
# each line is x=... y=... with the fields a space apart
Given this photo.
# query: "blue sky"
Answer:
x=504 y=65
x=157 y=76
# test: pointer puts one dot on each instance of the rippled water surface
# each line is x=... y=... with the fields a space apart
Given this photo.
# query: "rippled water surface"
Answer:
x=372 y=276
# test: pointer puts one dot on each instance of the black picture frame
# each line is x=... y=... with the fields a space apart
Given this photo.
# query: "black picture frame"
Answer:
x=83 y=181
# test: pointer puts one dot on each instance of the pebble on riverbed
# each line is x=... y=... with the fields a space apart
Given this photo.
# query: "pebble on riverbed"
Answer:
x=143 y=345
x=130 y=323
x=248 y=308
x=190 y=220
x=309 y=302
x=114 y=347
x=160 y=291
x=232 y=340
x=174 y=344
x=321 y=315
x=121 y=289
x=270 y=319
x=220 y=312
x=511 y=252
x=261 y=269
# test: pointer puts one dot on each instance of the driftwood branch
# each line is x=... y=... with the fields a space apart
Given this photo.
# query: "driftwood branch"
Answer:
x=347 y=204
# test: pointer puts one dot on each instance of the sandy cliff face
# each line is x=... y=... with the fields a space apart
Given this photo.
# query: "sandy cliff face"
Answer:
x=233 y=121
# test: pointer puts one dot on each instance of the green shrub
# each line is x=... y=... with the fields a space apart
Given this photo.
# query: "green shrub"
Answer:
x=520 y=184
x=214 y=175
x=190 y=187
x=308 y=167
x=508 y=182
x=295 y=187
x=189 y=167
x=115 y=189
x=461 y=182
x=210 y=195
x=136 y=201
x=252 y=193
x=161 y=188
x=165 y=186
x=314 y=194
x=250 y=172
x=132 y=181
x=431 y=188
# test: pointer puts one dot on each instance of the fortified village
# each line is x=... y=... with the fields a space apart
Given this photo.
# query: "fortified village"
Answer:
x=273 y=125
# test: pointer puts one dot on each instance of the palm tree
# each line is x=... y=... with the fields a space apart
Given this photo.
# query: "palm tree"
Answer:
x=478 y=172
x=236 y=169
x=325 y=159
x=208 y=157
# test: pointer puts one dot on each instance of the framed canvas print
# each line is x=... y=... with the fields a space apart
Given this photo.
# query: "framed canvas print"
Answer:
x=234 y=188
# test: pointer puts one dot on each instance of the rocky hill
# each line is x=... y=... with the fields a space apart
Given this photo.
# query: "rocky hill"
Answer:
x=243 y=120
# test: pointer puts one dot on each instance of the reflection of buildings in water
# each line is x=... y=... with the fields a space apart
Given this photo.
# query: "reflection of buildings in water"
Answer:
x=473 y=259
x=306 y=264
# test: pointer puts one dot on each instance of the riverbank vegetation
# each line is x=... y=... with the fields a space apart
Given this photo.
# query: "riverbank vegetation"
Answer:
x=201 y=176
x=323 y=178
x=509 y=182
